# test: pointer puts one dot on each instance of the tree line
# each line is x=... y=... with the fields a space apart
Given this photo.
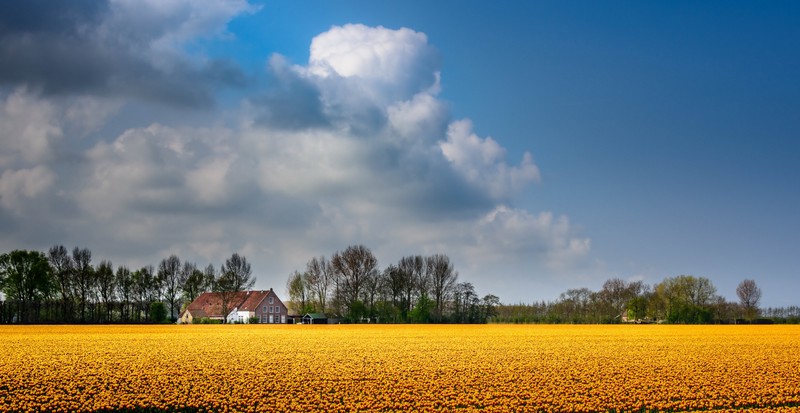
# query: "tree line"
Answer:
x=66 y=287
x=62 y=286
x=420 y=289
x=684 y=299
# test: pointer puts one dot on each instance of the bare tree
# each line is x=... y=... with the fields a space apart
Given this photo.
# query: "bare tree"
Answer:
x=422 y=279
x=394 y=282
x=372 y=284
x=353 y=267
x=105 y=286
x=749 y=296
x=614 y=295
x=298 y=288
x=409 y=269
x=466 y=303
x=62 y=266
x=124 y=284
x=83 y=277
x=192 y=282
x=320 y=277
x=573 y=304
x=234 y=277
x=169 y=273
x=209 y=277
x=146 y=290
x=443 y=279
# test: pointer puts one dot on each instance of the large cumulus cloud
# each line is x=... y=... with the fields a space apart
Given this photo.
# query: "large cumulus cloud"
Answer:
x=353 y=146
x=116 y=47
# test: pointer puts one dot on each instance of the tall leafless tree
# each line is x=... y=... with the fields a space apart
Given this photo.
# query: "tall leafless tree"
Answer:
x=372 y=283
x=83 y=277
x=146 y=290
x=61 y=263
x=192 y=282
x=298 y=287
x=614 y=295
x=124 y=285
x=443 y=279
x=234 y=276
x=320 y=277
x=209 y=277
x=466 y=303
x=394 y=283
x=105 y=286
x=353 y=266
x=410 y=269
x=169 y=273
x=749 y=296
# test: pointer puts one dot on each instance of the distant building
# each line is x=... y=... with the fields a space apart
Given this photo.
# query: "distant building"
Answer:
x=266 y=306
x=315 y=318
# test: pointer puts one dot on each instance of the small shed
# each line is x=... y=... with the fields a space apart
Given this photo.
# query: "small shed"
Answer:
x=315 y=318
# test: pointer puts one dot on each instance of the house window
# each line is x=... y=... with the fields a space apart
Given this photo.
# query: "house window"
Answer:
x=277 y=309
x=265 y=309
x=270 y=300
x=270 y=309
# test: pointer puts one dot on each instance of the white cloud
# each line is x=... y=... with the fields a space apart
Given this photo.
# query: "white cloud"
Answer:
x=29 y=128
x=482 y=161
x=399 y=59
x=541 y=237
x=308 y=162
x=360 y=71
x=423 y=118
x=19 y=187
x=159 y=168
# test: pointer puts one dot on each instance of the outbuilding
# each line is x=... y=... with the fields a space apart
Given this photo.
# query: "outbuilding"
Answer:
x=315 y=318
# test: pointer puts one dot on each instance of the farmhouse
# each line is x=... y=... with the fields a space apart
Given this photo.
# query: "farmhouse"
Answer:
x=263 y=305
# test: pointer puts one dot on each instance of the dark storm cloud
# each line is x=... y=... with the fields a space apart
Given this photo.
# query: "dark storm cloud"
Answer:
x=294 y=105
x=56 y=48
x=47 y=16
x=225 y=72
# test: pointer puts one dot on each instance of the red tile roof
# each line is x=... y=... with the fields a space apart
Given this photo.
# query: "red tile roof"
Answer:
x=253 y=299
x=210 y=304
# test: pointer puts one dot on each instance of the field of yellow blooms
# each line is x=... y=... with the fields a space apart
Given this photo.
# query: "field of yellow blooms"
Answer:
x=340 y=368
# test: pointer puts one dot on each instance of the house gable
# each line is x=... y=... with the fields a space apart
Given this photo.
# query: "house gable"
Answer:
x=271 y=309
x=263 y=304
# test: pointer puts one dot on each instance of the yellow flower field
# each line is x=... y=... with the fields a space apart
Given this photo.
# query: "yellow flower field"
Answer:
x=493 y=368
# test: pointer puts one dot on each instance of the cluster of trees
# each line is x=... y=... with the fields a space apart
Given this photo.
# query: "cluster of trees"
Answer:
x=682 y=299
x=64 y=287
x=417 y=288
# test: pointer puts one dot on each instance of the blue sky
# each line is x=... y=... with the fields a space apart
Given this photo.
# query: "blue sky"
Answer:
x=543 y=146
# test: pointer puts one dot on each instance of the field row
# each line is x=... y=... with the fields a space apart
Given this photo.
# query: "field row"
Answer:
x=400 y=368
